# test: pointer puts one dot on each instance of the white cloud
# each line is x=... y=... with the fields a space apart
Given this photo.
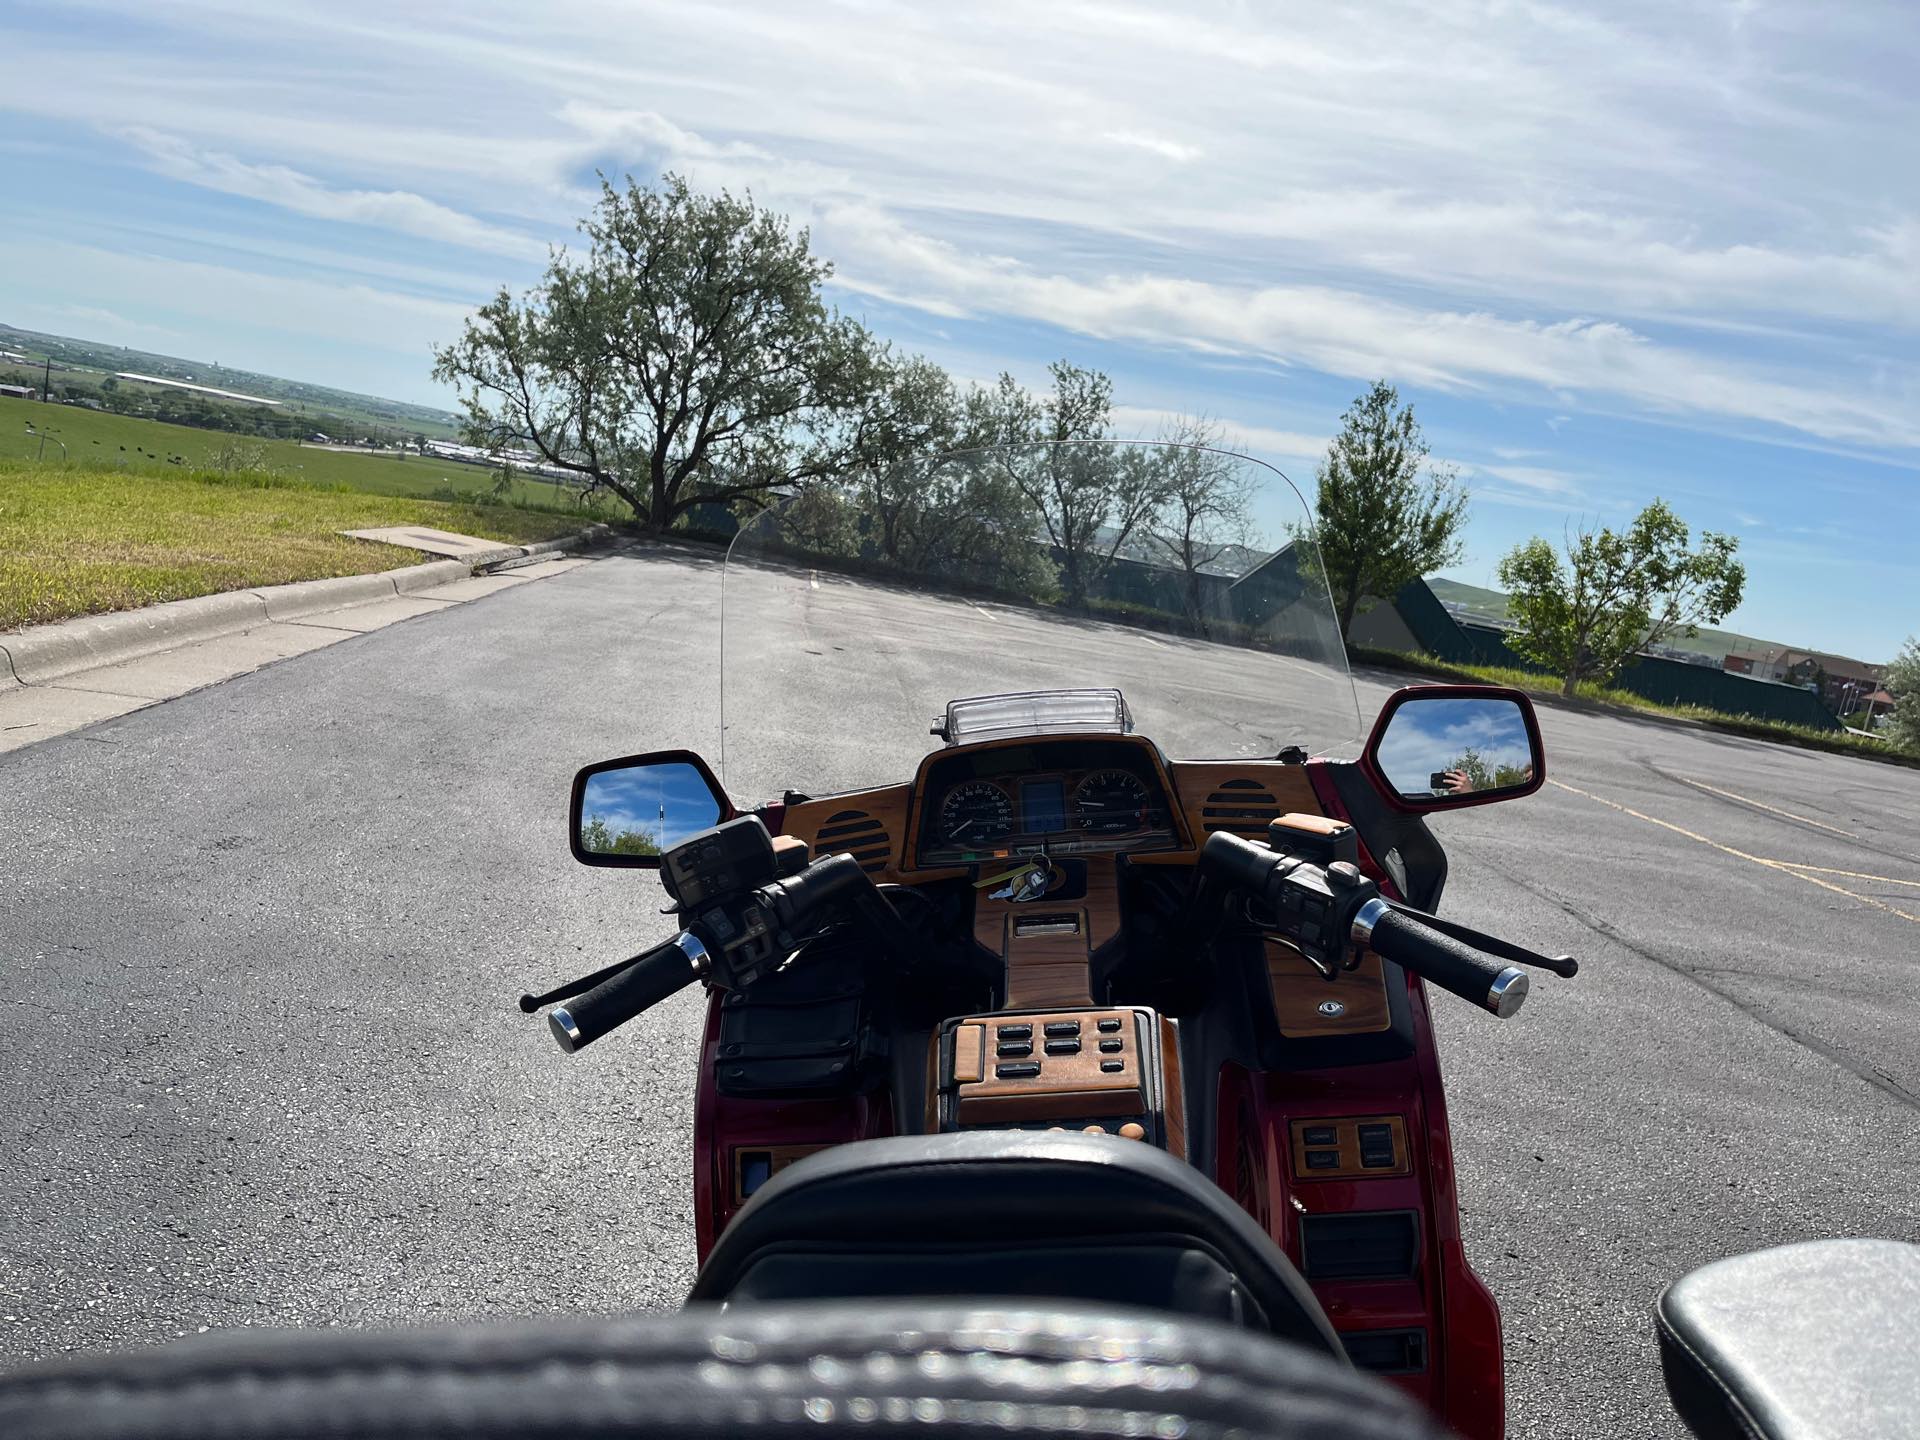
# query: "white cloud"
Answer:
x=288 y=189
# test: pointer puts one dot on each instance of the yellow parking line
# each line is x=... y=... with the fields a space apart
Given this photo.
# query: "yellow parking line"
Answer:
x=1849 y=874
x=1758 y=805
x=1784 y=867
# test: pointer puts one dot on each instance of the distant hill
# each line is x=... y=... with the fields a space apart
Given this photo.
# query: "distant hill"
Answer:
x=1492 y=605
x=93 y=359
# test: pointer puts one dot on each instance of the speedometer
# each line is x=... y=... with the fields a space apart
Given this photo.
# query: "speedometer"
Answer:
x=1110 y=802
x=976 y=813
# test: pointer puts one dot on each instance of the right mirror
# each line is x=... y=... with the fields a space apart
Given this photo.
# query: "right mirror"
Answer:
x=1455 y=745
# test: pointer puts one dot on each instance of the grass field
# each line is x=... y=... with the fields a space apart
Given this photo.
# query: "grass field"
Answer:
x=76 y=540
x=97 y=439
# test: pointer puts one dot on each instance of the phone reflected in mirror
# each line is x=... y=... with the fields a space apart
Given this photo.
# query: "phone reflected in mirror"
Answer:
x=631 y=812
x=1443 y=748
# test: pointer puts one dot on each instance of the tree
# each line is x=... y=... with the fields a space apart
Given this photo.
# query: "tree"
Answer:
x=1617 y=593
x=1089 y=498
x=687 y=358
x=599 y=838
x=1205 y=506
x=1903 y=683
x=1383 y=516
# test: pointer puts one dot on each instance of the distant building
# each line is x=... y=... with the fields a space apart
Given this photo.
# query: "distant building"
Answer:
x=19 y=392
x=1840 y=681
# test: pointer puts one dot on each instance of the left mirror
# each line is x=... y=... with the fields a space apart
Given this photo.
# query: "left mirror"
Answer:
x=1439 y=747
x=628 y=812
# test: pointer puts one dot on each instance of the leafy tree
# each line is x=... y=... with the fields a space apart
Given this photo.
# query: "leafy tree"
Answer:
x=1383 y=516
x=1903 y=683
x=687 y=357
x=1205 y=504
x=1617 y=592
x=1089 y=498
x=599 y=838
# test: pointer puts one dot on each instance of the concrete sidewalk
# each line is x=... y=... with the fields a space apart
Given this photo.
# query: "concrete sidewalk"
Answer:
x=58 y=678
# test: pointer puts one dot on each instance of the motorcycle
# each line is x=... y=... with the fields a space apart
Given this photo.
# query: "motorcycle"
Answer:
x=1056 y=927
x=1068 y=1084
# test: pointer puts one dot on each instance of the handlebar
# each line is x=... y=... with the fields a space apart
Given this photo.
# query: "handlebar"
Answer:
x=1445 y=961
x=648 y=979
x=1327 y=911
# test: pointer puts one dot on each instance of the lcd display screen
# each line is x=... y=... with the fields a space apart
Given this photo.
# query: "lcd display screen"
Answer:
x=1043 y=806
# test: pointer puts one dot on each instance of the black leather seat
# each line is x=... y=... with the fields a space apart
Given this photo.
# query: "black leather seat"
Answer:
x=755 y=1373
x=1032 y=1215
x=1817 y=1341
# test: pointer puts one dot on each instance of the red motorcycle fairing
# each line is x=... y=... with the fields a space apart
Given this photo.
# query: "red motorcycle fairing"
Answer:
x=1441 y=1315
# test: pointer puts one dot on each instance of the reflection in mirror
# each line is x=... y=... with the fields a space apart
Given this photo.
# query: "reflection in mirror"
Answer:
x=645 y=809
x=1456 y=745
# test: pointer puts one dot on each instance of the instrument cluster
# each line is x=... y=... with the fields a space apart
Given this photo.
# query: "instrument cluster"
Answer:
x=1058 y=796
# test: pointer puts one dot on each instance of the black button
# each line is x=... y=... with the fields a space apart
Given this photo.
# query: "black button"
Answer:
x=1016 y=1032
x=1062 y=1027
x=1063 y=1047
x=1110 y=1025
x=1019 y=1070
x=1113 y=1067
x=1014 y=1049
x=1323 y=1159
x=1376 y=1147
x=1112 y=1047
x=1320 y=1135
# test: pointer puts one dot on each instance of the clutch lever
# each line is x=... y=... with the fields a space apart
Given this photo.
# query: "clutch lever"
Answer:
x=1565 y=966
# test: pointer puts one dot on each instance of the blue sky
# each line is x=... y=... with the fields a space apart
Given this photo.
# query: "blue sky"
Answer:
x=1610 y=253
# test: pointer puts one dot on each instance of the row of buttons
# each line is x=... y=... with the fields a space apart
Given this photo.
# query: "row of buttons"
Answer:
x=1056 y=1029
x=1376 y=1147
x=1027 y=1069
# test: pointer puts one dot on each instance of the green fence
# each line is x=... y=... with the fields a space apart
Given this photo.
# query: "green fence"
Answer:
x=1663 y=681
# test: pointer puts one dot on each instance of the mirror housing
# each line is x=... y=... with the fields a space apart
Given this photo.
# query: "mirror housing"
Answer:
x=1445 y=747
x=626 y=812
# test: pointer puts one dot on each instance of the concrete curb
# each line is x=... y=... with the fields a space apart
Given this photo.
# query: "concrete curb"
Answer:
x=589 y=536
x=46 y=653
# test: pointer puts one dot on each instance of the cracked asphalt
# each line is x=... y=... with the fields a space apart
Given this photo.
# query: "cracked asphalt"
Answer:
x=261 y=946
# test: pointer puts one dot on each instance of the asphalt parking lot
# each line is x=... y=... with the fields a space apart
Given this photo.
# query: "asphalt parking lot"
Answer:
x=261 y=947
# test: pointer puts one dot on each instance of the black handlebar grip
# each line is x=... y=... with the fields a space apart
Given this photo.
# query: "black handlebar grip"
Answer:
x=1239 y=863
x=1440 y=958
x=652 y=977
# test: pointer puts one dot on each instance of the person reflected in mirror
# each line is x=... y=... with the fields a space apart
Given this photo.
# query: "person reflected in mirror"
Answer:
x=1464 y=778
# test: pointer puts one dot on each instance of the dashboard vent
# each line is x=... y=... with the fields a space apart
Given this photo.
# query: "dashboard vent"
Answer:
x=1240 y=807
x=856 y=833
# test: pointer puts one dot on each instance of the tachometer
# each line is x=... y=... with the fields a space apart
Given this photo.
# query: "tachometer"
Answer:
x=975 y=813
x=1110 y=802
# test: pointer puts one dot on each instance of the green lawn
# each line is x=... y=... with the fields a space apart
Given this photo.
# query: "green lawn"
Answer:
x=79 y=539
x=99 y=439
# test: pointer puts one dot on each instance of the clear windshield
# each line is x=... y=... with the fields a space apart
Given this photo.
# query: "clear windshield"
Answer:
x=1183 y=577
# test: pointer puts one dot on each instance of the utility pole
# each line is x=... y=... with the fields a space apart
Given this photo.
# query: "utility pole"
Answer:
x=46 y=381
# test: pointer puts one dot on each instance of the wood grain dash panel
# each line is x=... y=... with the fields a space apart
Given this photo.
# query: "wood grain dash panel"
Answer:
x=1299 y=990
x=1240 y=796
x=870 y=825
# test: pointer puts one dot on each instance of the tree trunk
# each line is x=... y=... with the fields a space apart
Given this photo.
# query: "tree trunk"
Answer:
x=1567 y=685
x=1349 y=603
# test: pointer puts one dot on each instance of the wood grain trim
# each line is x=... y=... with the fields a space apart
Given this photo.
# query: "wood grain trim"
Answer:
x=1299 y=990
x=1051 y=970
x=888 y=806
x=782 y=1156
x=1270 y=790
x=1173 y=1088
x=1346 y=1129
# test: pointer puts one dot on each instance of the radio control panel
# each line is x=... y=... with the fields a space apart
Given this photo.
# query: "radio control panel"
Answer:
x=1098 y=1071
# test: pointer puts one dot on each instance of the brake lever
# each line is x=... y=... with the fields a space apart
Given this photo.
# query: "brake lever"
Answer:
x=1565 y=966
